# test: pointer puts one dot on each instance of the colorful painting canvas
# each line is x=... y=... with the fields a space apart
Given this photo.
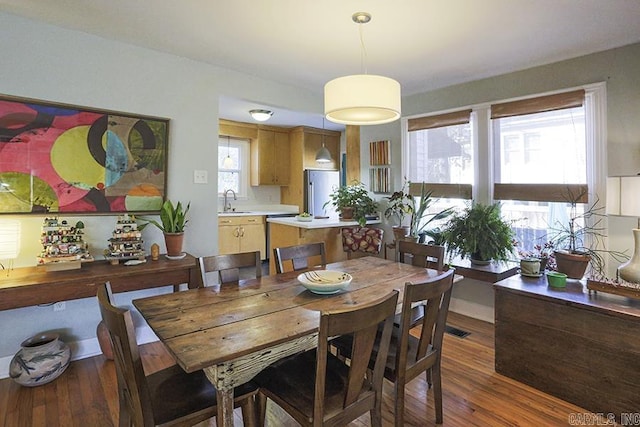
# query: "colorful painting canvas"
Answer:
x=60 y=158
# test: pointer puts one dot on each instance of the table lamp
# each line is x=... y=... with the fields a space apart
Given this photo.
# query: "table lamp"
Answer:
x=9 y=241
x=623 y=199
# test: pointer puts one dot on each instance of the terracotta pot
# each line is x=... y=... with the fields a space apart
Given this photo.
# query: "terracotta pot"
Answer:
x=573 y=265
x=42 y=359
x=173 y=241
x=346 y=213
x=400 y=232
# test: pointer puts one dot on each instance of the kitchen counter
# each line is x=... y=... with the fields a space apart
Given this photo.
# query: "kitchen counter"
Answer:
x=316 y=223
x=255 y=212
x=287 y=231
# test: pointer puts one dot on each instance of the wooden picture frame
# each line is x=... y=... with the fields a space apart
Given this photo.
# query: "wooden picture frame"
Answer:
x=58 y=158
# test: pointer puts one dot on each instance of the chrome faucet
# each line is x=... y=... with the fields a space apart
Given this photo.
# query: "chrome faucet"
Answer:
x=227 y=205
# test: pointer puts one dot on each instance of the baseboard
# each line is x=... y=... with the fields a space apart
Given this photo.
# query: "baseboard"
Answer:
x=472 y=309
x=85 y=348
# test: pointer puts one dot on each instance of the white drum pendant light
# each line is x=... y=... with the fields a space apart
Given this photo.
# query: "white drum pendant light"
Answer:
x=362 y=99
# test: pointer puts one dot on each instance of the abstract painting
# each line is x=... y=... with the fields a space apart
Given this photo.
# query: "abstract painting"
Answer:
x=68 y=159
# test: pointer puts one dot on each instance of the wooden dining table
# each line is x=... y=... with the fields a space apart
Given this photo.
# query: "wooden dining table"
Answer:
x=235 y=331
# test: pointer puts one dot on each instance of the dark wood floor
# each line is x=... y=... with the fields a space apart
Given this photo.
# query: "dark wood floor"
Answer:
x=474 y=395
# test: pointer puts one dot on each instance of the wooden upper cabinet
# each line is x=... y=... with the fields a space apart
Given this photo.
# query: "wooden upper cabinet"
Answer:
x=270 y=159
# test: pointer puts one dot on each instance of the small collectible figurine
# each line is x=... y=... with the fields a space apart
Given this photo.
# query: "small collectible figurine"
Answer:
x=155 y=252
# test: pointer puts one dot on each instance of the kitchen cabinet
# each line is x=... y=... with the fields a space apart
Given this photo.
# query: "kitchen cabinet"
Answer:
x=241 y=234
x=270 y=163
x=305 y=143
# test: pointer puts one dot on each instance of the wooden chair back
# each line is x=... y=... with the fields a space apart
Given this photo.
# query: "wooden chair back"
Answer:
x=228 y=266
x=416 y=355
x=299 y=256
x=427 y=256
x=362 y=324
x=133 y=391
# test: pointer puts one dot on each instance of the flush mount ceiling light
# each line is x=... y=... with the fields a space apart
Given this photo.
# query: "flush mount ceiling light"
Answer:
x=261 y=115
x=362 y=99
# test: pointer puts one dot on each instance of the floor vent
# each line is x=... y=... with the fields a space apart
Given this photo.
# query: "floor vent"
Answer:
x=457 y=332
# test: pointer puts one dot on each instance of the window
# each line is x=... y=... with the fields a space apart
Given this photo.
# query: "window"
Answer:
x=440 y=153
x=539 y=150
x=234 y=174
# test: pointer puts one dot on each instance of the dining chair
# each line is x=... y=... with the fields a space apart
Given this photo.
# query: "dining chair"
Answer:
x=167 y=397
x=228 y=266
x=365 y=240
x=316 y=388
x=427 y=256
x=299 y=256
x=409 y=356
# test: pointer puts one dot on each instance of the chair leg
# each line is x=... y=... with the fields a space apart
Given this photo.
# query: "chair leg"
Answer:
x=249 y=413
x=262 y=408
x=399 y=406
x=437 y=392
x=376 y=417
x=429 y=379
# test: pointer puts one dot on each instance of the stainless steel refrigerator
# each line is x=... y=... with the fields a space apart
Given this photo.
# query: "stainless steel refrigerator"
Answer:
x=318 y=185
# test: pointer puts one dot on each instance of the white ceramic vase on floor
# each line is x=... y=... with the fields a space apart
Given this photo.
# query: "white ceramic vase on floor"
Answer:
x=42 y=359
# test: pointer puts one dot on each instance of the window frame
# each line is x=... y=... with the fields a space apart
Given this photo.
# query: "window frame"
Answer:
x=243 y=169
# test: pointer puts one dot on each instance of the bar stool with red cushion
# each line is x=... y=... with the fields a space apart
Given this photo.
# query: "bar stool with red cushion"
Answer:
x=362 y=239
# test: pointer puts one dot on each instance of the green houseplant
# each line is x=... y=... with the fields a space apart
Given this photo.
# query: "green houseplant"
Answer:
x=399 y=205
x=173 y=219
x=577 y=241
x=479 y=232
x=353 y=202
x=420 y=218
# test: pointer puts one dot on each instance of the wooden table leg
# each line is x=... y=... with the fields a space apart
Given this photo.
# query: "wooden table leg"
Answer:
x=224 y=391
x=225 y=407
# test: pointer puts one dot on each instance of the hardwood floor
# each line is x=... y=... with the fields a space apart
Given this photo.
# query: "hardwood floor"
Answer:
x=473 y=394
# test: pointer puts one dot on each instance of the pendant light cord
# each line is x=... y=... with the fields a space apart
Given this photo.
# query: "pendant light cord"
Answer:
x=363 y=51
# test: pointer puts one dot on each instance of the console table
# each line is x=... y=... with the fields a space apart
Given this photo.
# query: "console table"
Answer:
x=28 y=286
x=579 y=347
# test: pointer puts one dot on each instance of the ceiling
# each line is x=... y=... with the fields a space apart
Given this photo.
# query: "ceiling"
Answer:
x=424 y=44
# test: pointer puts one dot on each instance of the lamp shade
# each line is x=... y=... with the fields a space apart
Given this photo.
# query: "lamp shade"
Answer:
x=362 y=99
x=9 y=239
x=623 y=195
x=323 y=155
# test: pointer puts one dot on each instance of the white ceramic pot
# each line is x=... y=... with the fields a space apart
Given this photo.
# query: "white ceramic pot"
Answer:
x=42 y=359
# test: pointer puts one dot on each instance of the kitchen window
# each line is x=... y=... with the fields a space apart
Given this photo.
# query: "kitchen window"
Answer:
x=233 y=174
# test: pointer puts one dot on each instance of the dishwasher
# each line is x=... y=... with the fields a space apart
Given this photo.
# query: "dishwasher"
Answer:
x=283 y=215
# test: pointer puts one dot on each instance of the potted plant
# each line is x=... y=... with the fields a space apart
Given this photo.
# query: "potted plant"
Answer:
x=543 y=252
x=399 y=205
x=419 y=213
x=577 y=240
x=173 y=220
x=353 y=202
x=479 y=232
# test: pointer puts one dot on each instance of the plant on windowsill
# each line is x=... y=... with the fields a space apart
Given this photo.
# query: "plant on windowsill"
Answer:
x=576 y=241
x=399 y=205
x=353 y=202
x=173 y=220
x=480 y=233
x=420 y=218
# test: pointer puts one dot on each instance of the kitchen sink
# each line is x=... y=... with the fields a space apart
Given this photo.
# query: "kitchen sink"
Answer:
x=234 y=212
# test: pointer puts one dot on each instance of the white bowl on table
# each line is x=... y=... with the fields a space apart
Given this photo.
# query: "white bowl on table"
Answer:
x=325 y=282
x=304 y=218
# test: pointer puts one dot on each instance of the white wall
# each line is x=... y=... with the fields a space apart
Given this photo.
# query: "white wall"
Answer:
x=49 y=63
